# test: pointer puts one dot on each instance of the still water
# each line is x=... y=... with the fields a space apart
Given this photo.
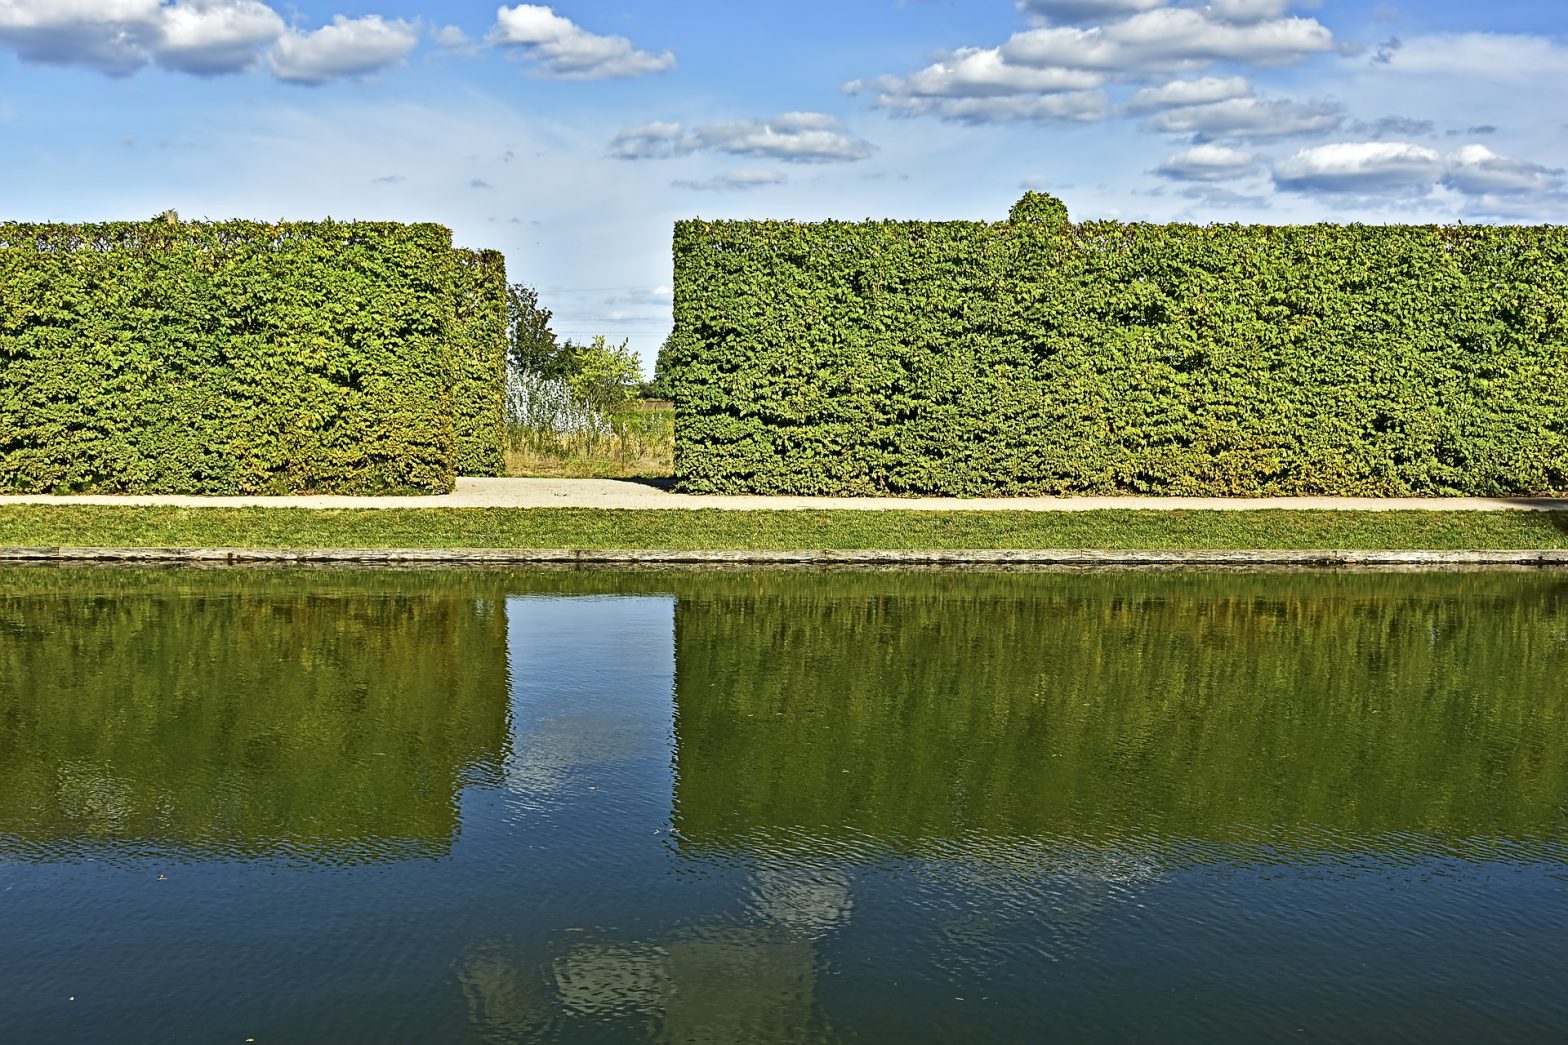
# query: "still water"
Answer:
x=782 y=807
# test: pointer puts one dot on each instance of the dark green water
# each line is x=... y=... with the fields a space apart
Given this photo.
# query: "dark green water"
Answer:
x=780 y=807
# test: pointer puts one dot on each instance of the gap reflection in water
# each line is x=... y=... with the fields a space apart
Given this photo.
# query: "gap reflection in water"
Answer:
x=783 y=807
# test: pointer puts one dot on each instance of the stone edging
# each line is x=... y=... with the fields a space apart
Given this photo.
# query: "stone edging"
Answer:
x=1021 y=557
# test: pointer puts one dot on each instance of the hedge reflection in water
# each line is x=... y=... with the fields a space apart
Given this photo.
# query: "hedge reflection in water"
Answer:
x=1197 y=718
x=324 y=716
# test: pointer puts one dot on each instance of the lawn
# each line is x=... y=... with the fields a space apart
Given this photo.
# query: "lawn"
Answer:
x=32 y=526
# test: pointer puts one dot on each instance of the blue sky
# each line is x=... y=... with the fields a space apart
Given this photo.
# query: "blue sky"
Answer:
x=572 y=136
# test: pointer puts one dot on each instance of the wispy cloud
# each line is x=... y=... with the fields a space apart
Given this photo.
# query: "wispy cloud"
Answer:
x=733 y=181
x=799 y=137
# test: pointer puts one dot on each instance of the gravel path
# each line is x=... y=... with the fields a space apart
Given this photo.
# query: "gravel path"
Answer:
x=614 y=493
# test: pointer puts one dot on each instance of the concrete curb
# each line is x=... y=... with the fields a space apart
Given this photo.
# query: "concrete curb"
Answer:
x=1021 y=557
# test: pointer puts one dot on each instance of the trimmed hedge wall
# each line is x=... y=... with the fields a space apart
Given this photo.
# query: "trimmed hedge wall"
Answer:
x=1035 y=356
x=479 y=395
x=242 y=357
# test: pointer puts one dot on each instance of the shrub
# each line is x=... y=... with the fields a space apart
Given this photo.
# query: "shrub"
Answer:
x=604 y=376
x=1035 y=356
x=242 y=357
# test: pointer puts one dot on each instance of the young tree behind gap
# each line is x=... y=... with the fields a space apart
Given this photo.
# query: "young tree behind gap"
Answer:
x=533 y=347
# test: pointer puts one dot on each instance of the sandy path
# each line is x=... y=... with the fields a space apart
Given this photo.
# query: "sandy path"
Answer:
x=613 y=493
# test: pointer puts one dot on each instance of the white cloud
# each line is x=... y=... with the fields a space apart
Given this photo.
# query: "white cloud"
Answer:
x=1476 y=170
x=799 y=137
x=1170 y=37
x=1249 y=118
x=214 y=36
x=119 y=37
x=566 y=51
x=1361 y=167
x=733 y=181
x=1036 y=65
x=975 y=72
x=653 y=141
x=1208 y=163
x=1085 y=10
x=1181 y=93
x=348 y=47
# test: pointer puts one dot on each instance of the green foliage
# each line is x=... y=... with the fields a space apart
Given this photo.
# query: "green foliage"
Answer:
x=1040 y=357
x=243 y=357
x=479 y=391
x=1039 y=207
x=604 y=376
x=534 y=348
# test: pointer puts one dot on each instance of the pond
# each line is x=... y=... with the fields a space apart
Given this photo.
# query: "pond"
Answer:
x=423 y=806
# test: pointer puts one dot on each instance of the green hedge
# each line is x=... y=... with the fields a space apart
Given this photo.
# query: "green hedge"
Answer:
x=1035 y=356
x=242 y=357
x=479 y=396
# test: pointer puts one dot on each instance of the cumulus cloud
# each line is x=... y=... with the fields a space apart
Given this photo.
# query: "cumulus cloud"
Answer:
x=1182 y=93
x=209 y=37
x=1170 y=37
x=1477 y=170
x=348 y=47
x=1384 y=168
x=564 y=50
x=119 y=37
x=201 y=37
x=799 y=137
x=975 y=72
x=1057 y=61
x=1249 y=118
x=1085 y=10
x=1364 y=168
x=733 y=181
x=1208 y=163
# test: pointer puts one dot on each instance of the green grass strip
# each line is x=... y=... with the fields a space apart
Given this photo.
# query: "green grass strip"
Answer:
x=92 y=526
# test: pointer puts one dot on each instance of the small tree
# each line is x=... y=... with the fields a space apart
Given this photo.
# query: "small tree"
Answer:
x=534 y=348
x=604 y=376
